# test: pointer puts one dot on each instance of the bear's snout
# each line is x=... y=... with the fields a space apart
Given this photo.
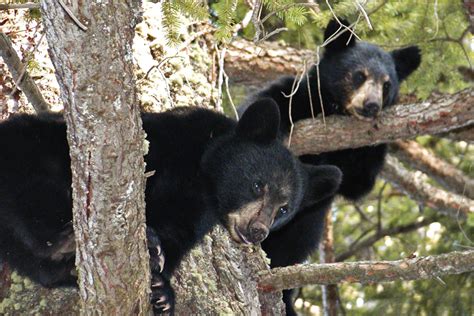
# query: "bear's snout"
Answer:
x=257 y=232
x=370 y=109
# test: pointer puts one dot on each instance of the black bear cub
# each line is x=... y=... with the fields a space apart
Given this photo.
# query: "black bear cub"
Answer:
x=208 y=168
x=358 y=79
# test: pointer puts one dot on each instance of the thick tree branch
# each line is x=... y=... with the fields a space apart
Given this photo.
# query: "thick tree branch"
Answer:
x=253 y=65
x=443 y=172
x=413 y=184
x=402 y=121
x=369 y=241
x=17 y=69
x=367 y=271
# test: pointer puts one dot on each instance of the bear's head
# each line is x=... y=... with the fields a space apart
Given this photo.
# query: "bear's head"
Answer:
x=258 y=183
x=362 y=78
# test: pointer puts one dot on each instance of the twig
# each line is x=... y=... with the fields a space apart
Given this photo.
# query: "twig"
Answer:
x=220 y=78
x=72 y=16
x=226 y=80
x=257 y=10
x=366 y=16
x=27 y=61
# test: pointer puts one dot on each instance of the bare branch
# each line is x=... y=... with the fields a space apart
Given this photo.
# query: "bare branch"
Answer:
x=413 y=184
x=443 y=172
x=17 y=69
x=369 y=241
x=367 y=271
x=446 y=113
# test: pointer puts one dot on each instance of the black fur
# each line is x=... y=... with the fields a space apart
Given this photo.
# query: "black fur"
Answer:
x=342 y=59
x=205 y=167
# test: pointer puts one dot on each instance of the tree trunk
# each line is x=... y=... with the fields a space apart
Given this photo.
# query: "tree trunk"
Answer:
x=95 y=72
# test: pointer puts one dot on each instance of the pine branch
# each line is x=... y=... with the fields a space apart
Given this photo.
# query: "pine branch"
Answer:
x=413 y=184
x=435 y=116
x=443 y=172
x=367 y=271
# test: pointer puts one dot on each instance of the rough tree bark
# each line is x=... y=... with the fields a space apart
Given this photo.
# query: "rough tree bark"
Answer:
x=220 y=277
x=95 y=71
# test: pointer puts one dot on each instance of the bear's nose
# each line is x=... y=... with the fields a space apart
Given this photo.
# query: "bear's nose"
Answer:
x=258 y=232
x=371 y=109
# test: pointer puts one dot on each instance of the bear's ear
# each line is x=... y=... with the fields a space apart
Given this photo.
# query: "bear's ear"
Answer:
x=343 y=41
x=323 y=182
x=406 y=61
x=260 y=122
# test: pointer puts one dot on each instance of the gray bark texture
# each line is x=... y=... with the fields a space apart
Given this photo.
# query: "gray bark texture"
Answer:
x=94 y=69
x=219 y=277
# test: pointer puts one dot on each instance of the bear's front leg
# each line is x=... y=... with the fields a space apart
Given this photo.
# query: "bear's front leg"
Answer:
x=162 y=296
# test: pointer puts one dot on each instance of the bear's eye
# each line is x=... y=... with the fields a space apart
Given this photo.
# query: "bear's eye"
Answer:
x=283 y=210
x=257 y=188
x=386 y=88
x=359 y=78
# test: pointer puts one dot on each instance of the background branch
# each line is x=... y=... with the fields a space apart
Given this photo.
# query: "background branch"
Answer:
x=413 y=184
x=16 y=67
x=367 y=271
x=443 y=172
x=379 y=234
